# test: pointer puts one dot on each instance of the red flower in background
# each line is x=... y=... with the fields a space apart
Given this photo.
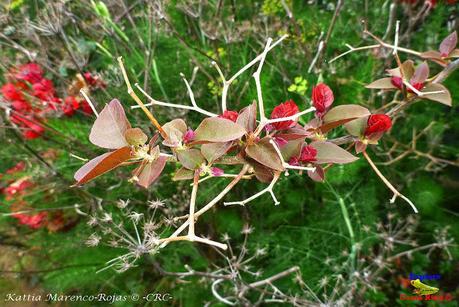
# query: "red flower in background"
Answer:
x=33 y=221
x=378 y=123
x=19 y=167
x=85 y=107
x=17 y=188
x=231 y=115
x=285 y=109
x=30 y=72
x=308 y=154
x=31 y=128
x=44 y=89
x=70 y=105
x=11 y=93
x=322 y=98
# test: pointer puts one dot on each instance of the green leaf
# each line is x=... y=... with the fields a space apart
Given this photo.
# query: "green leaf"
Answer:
x=190 y=158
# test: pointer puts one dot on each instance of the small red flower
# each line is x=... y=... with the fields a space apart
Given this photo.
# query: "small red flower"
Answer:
x=231 y=115
x=70 y=105
x=378 y=123
x=308 y=154
x=30 y=72
x=11 y=93
x=188 y=136
x=285 y=109
x=322 y=98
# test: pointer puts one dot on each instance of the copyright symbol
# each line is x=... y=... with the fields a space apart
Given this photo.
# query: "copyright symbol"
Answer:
x=134 y=297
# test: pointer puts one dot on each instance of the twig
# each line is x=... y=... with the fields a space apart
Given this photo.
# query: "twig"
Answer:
x=268 y=189
x=389 y=185
x=138 y=101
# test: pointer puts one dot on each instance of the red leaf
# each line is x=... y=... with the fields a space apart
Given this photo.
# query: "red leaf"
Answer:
x=109 y=128
x=102 y=164
x=448 y=44
x=318 y=175
x=285 y=109
x=151 y=172
x=342 y=114
x=231 y=115
x=322 y=98
x=378 y=123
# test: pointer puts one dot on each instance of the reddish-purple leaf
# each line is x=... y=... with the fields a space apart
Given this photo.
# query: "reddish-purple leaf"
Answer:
x=383 y=84
x=407 y=69
x=420 y=74
x=102 y=164
x=190 y=158
x=448 y=44
x=216 y=129
x=213 y=151
x=345 y=112
x=444 y=98
x=330 y=153
x=151 y=172
x=262 y=173
x=431 y=54
x=248 y=117
x=292 y=149
x=294 y=133
x=109 y=128
x=318 y=175
x=264 y=153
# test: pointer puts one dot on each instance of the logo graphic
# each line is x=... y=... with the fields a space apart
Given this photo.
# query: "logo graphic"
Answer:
x=423 y=289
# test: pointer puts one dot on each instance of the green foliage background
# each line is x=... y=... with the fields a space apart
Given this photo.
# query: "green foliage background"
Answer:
x=308 y=226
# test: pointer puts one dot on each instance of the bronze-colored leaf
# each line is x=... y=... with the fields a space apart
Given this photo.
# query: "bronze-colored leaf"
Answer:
x=135 y=136
x=248 y=117
x=183 y=174
x=151 y=172
x=213 y=151
x=357 y=126
x=291 y=149
x=175 y=129
x=216 y=129
x=263 y=173
x=102 y=164
x=383 y=84
x=444 y=98
x=190 y=158
x=328 y=152
x=109 y=128
x=264 y=153
x=342 y=114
